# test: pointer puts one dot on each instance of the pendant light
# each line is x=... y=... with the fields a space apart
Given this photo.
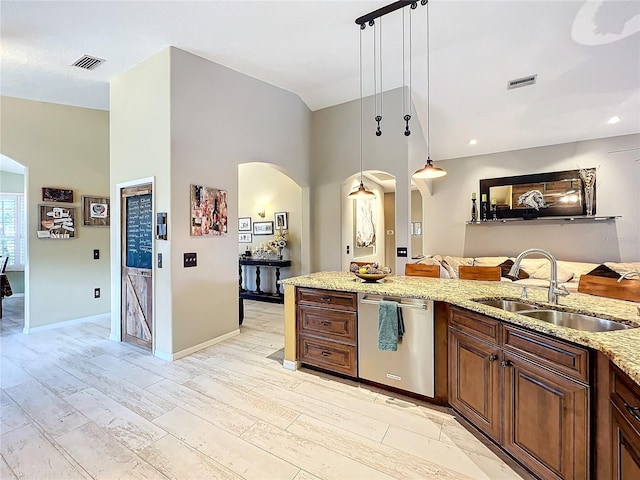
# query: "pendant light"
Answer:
x=362 y=192
x=429 y=171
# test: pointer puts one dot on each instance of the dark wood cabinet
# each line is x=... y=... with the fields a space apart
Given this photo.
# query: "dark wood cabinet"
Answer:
x=474 y=386
x=527 y=392
x=546 y=419
x=327 y=330
x=625 y=426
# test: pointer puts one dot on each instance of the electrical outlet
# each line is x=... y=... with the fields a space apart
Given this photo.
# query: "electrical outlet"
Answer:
x=96 y=254
x=96 y=293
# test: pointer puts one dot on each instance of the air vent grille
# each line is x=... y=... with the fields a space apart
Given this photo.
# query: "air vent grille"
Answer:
x=87 y=62
x=522 y=82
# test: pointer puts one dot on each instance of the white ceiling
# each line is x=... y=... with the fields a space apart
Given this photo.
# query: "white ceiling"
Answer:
x=586 y=55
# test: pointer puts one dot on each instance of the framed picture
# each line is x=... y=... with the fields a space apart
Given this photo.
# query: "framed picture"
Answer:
x=56 y=222
x=208 y=211
x=281 y=220
x=96 y=211
x=50 y=194
x=245 y=238
x=263 y=228
x=244 y=224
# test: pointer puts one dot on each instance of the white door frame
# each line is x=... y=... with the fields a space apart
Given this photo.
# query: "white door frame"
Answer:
x=116 y=259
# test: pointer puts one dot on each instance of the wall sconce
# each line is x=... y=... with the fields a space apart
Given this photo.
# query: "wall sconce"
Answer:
x=261 y=212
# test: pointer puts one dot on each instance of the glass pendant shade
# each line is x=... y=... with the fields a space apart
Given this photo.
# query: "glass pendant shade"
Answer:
x=429 y=171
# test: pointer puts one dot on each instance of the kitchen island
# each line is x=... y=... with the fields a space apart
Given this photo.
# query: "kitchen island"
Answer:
x=564 y=403
x=622 y=346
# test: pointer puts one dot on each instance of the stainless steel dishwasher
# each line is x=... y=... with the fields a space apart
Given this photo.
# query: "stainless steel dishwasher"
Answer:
x=411 y=367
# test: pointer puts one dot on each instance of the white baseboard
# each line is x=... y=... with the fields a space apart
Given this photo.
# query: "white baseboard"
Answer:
x=66 y=323
x=115 y=338
x=291 y=365
x=188 y=351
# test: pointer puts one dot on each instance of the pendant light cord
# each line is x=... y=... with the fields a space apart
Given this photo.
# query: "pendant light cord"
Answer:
x=428 y=90
x=361 y=109
x=377 y=60
x=407 y=101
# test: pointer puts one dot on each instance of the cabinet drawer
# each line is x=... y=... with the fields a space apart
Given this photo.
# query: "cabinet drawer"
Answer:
x=478 y=326
x=326 y=298
x=625 y=395
x=327 y=354
x=555 y=354
x=337 y=324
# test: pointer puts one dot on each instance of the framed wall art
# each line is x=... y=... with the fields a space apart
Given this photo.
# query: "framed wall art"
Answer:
x=245 y=237
x=96 y=211
x=50 y=194
x=244 y=224
x=263 y=228
x=56 y=222
x=208 y=211
x=281 y=220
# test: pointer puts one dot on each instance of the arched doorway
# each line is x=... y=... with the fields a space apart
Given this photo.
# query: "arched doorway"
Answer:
x=368 y=227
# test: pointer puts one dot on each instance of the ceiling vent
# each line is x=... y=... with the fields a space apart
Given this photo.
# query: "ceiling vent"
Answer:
x=522 y=82
x=87 y=62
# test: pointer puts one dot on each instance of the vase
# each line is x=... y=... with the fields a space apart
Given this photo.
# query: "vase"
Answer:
x=279 y=253
x=474 y=210
x=588 y=200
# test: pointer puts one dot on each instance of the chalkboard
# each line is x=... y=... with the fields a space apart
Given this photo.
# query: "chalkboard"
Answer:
x=139 y=230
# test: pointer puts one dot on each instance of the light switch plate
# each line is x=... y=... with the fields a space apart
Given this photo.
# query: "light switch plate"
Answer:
x=190 y=260
x=401 y=251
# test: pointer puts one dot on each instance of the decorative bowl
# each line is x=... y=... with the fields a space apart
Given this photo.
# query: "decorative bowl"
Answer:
x=371 y=277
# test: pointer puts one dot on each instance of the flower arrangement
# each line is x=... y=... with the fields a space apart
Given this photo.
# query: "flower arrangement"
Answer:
x=280 y=240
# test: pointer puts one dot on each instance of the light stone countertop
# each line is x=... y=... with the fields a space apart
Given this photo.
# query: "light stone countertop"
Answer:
x=621 y=346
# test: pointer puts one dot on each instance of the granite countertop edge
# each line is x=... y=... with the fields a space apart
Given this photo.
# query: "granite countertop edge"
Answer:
x=621 y=346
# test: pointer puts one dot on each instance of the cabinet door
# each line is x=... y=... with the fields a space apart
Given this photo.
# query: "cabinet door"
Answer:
x=626 y=448
x=546 y=420
x=474 y=376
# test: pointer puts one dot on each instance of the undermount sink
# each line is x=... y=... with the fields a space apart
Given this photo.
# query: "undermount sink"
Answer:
x=577 y=321
x=508 y=305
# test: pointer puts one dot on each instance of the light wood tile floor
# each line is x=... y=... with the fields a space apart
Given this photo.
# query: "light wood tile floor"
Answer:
x=76 y=405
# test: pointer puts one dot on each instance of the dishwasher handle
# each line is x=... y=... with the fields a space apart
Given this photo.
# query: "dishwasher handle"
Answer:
x=422 y=306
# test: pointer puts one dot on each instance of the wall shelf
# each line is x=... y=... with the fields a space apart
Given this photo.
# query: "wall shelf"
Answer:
x=575 y=218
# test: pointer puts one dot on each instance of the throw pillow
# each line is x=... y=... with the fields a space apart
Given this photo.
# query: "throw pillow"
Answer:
x=452 y=264
x=544 y=273
x=604 y=271
x=506 y=266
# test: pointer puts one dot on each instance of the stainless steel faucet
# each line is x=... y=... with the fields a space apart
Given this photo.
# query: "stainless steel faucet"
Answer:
x=554 y=290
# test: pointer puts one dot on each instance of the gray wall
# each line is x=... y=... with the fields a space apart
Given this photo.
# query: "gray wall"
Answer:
x=335 y=156
x=618 y=178
x=211 y=120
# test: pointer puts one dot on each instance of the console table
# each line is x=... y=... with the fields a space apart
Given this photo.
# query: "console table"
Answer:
x=258 y=294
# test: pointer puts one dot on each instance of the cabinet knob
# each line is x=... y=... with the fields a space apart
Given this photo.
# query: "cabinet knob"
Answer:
x=493 y=357
x=325 y=299
x=505 y=363
x=633 y=411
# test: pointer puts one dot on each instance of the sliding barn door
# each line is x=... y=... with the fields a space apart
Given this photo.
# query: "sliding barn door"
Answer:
x=137 y=272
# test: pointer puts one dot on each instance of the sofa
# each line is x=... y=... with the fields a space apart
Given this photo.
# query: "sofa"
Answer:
x=533 y=271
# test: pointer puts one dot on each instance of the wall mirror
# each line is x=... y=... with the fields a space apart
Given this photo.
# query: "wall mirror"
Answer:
x=554 y=193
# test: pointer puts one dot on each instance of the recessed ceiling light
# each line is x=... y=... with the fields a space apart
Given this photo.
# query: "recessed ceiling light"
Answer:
x=473 y=141
x=614 y=120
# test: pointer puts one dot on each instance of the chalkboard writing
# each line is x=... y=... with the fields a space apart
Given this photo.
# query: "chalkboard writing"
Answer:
x=139 y=231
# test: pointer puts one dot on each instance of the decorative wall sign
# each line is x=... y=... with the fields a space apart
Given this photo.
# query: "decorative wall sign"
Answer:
x=245 y=237
x=56 y=222
x=208 y=211
x=281 y=220
x=263 y=228
x=96 y=211
x=50 y=194
x=244 y=224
